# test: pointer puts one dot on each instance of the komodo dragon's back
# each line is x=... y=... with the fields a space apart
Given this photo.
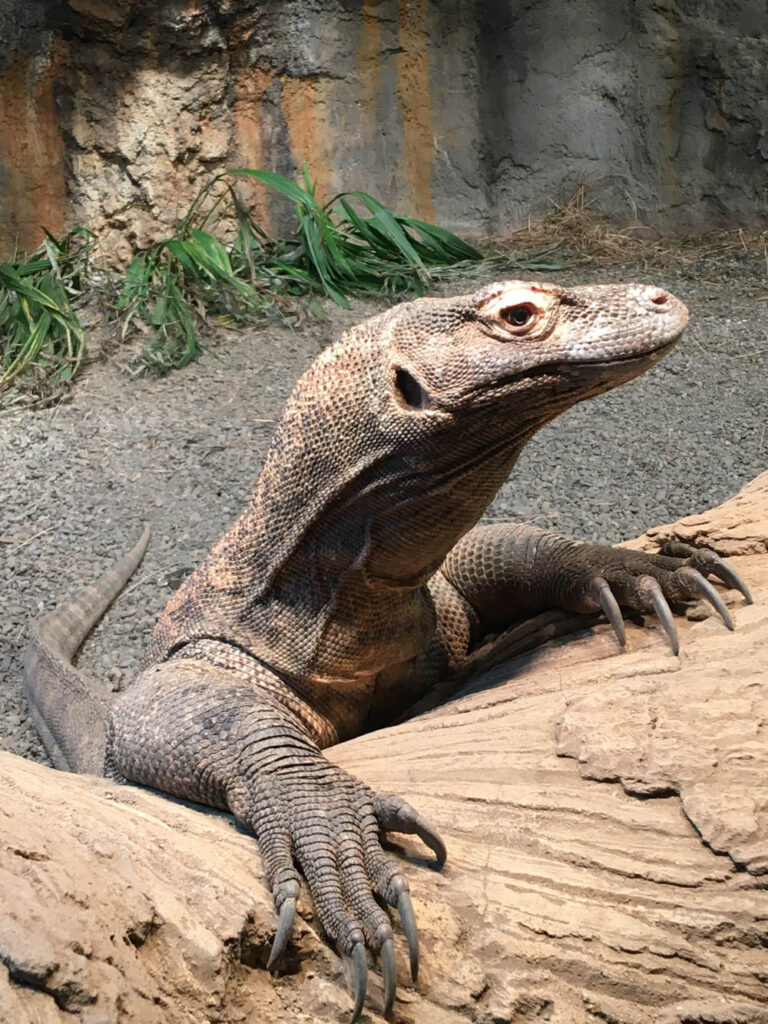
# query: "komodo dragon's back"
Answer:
x=357 y=576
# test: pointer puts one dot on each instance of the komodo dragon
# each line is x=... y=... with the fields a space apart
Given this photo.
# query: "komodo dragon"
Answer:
x=357 y=579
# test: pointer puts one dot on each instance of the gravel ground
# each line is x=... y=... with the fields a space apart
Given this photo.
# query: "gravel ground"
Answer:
x=184 y=452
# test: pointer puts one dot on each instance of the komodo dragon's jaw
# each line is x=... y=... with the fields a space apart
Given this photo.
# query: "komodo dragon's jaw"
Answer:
x=354 y=581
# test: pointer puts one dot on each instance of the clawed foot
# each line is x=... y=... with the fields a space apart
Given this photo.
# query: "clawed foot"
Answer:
x=328 y=824
x=647 y=583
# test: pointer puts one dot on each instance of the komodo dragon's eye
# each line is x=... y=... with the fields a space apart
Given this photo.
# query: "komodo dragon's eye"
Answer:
x=518 y=316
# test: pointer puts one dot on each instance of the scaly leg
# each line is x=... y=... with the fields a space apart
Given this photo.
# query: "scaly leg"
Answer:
x=507 y=572
x=199 y=732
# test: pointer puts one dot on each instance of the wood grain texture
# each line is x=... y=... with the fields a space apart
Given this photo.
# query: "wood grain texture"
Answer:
x=606 y=817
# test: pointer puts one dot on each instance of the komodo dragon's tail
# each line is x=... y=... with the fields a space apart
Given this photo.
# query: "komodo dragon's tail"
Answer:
x=68 y=709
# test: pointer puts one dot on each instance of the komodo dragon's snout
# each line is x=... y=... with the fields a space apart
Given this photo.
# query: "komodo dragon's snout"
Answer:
x=356 y=579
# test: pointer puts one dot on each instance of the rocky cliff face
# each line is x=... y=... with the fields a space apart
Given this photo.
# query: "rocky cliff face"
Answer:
x=471 y=113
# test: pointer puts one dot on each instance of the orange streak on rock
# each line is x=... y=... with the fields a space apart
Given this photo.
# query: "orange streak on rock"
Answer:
x=415 y=98
x=305 y=112
x=250 y=86
x=368 y=60
x=31 y=151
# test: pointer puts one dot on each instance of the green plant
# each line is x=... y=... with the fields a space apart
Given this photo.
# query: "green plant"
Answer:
x=175 y=284
x=341 y=252
x=41 y=338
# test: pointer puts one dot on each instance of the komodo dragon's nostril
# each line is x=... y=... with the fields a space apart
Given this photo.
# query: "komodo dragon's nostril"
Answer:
x=410 y=391
x=659 y=297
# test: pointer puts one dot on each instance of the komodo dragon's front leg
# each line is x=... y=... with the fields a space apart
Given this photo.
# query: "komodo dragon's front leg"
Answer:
x=507 y=571
x=325 y=606
x=199 y=731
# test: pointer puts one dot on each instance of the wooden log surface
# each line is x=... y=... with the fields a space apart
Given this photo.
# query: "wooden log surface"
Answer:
x=606 y=817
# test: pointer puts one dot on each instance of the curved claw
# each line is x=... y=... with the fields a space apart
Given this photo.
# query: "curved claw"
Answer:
x=361 y=979
x=389 y=975
x=284 y=926
x=430 y=838
x=396 y=815
x=664 y=614
x=729 y=577
x=611 y=610
x=415 y=823
x=705 y=588
x=706 y=561
x=408 y=920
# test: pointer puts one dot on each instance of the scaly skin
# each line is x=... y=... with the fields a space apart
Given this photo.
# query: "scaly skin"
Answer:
x=356 y=579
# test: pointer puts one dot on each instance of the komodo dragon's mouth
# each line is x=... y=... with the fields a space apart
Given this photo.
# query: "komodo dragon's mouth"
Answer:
x=660 y=350
x=564 y=369
x=564 y=366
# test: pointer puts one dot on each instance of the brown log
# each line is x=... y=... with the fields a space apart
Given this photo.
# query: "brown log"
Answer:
x=606 y=817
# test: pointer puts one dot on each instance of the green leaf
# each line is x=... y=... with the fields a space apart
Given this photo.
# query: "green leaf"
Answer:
x=214 y=250
x=281 y=184
x=454 y=247
x=386 y=221
x=177 y=248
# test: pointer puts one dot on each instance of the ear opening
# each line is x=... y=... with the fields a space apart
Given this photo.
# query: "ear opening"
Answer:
x=410 y=392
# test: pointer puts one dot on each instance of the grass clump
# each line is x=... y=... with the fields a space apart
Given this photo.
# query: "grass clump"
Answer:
x=170 y=288
x=41 y=337
x=353 y=245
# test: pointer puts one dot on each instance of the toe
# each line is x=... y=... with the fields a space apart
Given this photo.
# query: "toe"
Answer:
x=601 y=594
x=651 y=591
x=394 y=814
x=360 y=971
x=391 y=885
x=284 y=927
x=698 y=584
x=389 y=975
x=708 y=563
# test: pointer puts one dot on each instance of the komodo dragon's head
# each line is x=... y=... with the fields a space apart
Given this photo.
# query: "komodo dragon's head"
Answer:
x=523 y=344
x=525 y=349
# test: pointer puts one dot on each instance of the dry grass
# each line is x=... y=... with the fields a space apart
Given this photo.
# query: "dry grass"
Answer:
x=577 y=224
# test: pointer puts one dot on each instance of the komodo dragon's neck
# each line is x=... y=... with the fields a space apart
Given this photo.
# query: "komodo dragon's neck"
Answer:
x=367 y=509
x=349 y=520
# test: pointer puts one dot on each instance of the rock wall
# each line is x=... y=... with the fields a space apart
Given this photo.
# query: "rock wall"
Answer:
x=471 y=113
